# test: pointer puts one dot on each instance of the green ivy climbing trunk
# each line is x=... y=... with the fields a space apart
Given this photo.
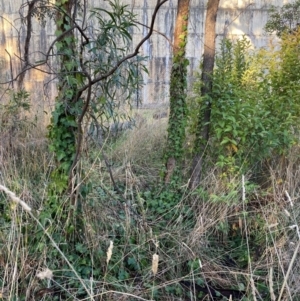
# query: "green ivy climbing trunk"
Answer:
x=64 y=127
x=178 y=85
x=202 y=134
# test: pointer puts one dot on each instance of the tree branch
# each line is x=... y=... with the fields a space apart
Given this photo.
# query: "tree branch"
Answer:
x=129 y=56
x=158 y=32
x=11 y=67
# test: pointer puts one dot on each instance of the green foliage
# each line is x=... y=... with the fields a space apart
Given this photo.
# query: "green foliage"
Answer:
x=11 y=111
x=285 y=19
x=178 y=107
x=286 y=77
x=64 y=126
x=235 y=117
x=107 y=45
x=253 y=112
x=62 y=133
x=166 y=207
x=111 y=42
x=254 y=115
x=15 y=126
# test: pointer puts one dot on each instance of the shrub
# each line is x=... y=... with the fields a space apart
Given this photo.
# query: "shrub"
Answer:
x=254 y=111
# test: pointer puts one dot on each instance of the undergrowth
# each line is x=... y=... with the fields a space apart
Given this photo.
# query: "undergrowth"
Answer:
x=236 y=237
x=124 y=235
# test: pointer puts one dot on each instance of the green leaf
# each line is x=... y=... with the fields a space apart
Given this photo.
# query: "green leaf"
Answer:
x=58 y=32
x=60 y=156
x=81 y=248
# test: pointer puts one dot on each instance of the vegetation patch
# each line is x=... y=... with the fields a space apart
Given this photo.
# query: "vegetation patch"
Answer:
x=86 y=210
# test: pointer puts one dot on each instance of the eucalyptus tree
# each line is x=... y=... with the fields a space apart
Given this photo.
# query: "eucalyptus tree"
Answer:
x=97 y=66
x=94 y=69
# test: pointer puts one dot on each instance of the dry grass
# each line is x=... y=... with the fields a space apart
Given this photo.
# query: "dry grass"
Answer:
x=140 y=151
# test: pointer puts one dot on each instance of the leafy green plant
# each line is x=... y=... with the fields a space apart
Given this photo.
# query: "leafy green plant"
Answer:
x=253 y=111
x=17 y=123
x=115 y=26
x=100 y=65
x=178 y=106
x=13 y=112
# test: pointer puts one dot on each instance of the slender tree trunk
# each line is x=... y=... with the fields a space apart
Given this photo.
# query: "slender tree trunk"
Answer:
x=64 y=127
x=178 y=84
x=206 y=77
x=25 y=62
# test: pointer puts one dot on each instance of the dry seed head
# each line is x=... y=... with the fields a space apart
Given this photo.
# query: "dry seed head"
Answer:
x=200 y=263
x=253 y=288
x=271 y=285
x=155 y=260
x=109 y=251
x=14 y=198
x=289 y=198
x=273 y=225
x=45 y=274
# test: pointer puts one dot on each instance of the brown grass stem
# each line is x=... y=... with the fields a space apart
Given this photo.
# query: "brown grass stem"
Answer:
x=286 y=277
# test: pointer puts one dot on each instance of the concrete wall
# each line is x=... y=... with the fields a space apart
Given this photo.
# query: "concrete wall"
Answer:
x=235 y=18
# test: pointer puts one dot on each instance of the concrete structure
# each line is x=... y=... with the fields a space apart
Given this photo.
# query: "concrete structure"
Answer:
x=235 y=18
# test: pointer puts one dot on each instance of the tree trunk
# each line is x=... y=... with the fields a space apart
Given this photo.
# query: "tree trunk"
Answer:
x=64 y=127
x=206 y=77
x=178 y=85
